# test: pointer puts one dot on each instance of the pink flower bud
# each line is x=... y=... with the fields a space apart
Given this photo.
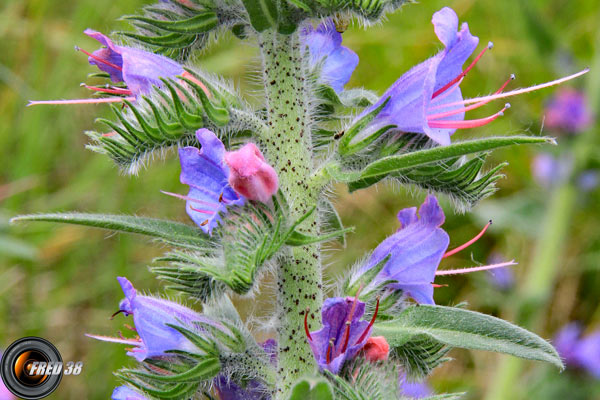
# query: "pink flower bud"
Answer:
x=250 y=175
x=376 y=349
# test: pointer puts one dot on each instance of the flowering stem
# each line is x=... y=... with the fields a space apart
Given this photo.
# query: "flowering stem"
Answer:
x=288 y=148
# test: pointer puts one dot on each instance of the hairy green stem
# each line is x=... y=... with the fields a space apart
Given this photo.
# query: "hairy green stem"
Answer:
x=289 y=149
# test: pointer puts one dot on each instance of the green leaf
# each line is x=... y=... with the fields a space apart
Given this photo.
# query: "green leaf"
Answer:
x=465 y=329
x=332 y=220
x=168 y=231
x=320 y=390
x=263 y=13
x=200 y=23
x=397 y=163
x=204 y=370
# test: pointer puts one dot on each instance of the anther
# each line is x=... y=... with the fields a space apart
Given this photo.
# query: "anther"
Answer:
x=470 y=242
x=117 y=313
x=329 y=349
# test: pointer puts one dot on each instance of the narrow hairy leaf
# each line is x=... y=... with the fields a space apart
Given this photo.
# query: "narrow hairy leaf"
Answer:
x=457 y=327
x=172 y=232
x=262 y=13
x=397 y=163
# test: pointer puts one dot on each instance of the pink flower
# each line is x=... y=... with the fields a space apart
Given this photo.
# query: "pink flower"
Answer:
x=250 y=175
x=376 y=349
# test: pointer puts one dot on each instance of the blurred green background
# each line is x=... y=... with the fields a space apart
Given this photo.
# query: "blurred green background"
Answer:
x=58 y=282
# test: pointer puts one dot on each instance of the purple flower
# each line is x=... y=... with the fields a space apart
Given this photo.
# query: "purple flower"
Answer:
x=415 y=251
x=414 y=390
x=343 y=334
x=125 y=393
x=548 y=170
x=325 y=44
x=568 y=112
x=228 y=390
x=206 y=173
x=151 y=316
x=427 y=99
x=139 y=69
x=578 y=351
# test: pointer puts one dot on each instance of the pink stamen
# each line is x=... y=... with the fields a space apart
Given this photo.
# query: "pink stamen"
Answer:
x=470 y=242
x=83 y=101
x=109 y=134
x=435 y=285
x=98 y=58
x=109 y=90
x=306 y=324
x=475 y=269
x=462 y=74
x=519 y=91
x=329 y=349
x=469 y=108
x=364 y=334
x=203 y=212
x=197 y=82
x=349 y=321
x=472 y=123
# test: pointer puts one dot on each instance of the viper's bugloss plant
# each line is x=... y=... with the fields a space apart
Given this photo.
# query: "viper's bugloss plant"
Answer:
x=258 y=177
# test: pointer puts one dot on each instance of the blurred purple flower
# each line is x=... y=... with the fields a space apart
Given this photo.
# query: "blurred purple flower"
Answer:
x=578 y=351
x=413 y=390
x=427 y=99
x=206 y=173
x=151 y=316
x=568 y=112
x=343 y=334
x=415 y=251
x=547 y=170
x=501 y=278
x=325 y=44
x=125 y=393
x=588 y=180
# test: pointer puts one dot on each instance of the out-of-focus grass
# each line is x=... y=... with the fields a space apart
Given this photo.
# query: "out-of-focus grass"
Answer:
x=58 y=282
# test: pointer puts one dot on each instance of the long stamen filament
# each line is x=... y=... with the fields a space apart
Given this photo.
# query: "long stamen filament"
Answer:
x=472 y=123
x=469 y=108
x=366 y=331
x=108 y=90
x=82 y=101
x=462 y=74
x=103 y=61
x=470 y=242
x=519 y=91
x=474 y=269
x=346 y=336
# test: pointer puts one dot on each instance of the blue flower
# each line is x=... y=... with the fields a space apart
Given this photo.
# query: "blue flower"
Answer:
x=343 y=334
x=568 y=112
x=427 y=99
x=413 y=390
x=206 y=173
x=151 y=316
x=139 y=69
x=325 y=45
x=414 y=251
